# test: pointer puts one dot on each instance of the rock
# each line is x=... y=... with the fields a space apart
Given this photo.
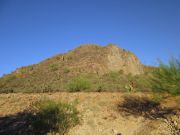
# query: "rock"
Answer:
x=114 y=131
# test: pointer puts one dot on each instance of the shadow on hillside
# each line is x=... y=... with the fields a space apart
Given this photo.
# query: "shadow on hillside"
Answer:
x=18 y=124
x=143 y=106
x=14 y=124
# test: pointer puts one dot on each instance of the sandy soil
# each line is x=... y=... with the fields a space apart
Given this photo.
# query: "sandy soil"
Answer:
x=99 y=113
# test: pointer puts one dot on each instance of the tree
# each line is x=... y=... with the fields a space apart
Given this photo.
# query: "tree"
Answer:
x=167 y=77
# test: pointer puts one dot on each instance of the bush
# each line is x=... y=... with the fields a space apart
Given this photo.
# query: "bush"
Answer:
x=78 y=84
x=141 y=82
x=66 y=70
x=54 y=67
x=167 y=78
x=51 y=116
x=10 y=77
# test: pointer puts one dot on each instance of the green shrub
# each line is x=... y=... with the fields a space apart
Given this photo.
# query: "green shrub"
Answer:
x=54 y=67
x=78 y=84
x=121 y=72
x=10 y=77
x=129 y=88
x=157 y=97
x=113 y=76
x=66 y=70
x=142 y=83
x=113 y=81
x=167 y=78
x=51 y=116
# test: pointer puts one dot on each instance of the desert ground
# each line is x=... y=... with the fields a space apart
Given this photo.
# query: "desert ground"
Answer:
x=99 y=114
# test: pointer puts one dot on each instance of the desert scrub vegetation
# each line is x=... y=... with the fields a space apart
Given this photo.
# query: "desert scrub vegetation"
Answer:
x=66 y=70
x=118 y=81
x=167 y=77
x=48 y=116
x=54 y=67
x=79 y=84
x=113 y=81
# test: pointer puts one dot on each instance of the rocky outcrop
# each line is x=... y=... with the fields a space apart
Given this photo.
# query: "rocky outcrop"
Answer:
x=101 y=60
x=120 y=59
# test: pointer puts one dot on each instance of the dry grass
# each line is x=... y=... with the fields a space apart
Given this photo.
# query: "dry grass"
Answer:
x=98 y=110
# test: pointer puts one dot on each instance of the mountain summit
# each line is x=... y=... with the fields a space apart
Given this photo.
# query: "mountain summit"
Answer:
x=97 y=59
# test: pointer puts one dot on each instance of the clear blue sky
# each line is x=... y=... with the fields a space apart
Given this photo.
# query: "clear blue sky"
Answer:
x=33 y=30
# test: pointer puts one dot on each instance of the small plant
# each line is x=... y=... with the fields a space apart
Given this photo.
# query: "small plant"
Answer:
x=50 y=116
x=121 y=72
x=157 y=97
x=129 y=88
x=54 y=67
x=100 y=88
x=66 y=70
x=78 y=84
x=113 y=75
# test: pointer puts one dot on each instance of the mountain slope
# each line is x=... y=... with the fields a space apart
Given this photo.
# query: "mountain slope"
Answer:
x=55 y=72
x=96 y=59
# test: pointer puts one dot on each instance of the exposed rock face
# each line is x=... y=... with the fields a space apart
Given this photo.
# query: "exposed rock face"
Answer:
x=101 y=60
x=119 y=59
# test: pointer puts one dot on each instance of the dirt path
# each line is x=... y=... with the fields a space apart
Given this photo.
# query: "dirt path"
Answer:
x=99 y=114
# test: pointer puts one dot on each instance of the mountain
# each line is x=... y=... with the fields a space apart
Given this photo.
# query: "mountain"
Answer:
x=55 y=72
